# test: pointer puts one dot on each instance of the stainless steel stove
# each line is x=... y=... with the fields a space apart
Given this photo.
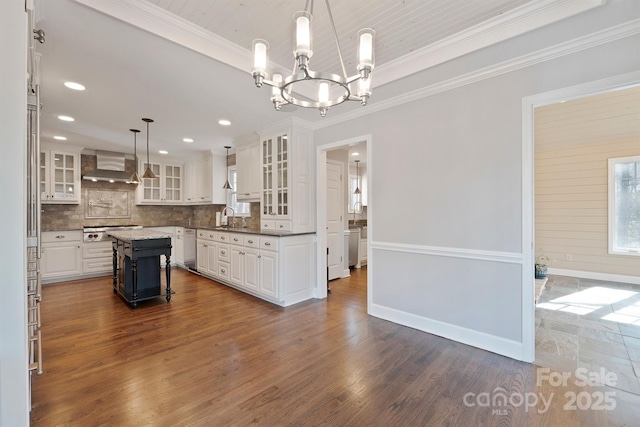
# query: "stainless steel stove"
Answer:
x=97 y=234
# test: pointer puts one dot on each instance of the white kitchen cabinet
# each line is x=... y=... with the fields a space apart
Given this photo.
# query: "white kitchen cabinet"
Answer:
x=277 y=269
x=61 y=255
x=178 y=247
x=268 y=273
x=60 y=175
x=97 y=257
x=213 y=254
x=236 y=265
x=204 y=178
x=288 y=187
x=165 y=188
x=363 y=252
x=248 y=167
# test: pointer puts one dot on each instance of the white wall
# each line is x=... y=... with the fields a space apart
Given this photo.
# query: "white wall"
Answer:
x=453 y=264
x=14 y=409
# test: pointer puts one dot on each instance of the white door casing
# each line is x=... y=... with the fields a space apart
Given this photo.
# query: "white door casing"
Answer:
x=334 y=219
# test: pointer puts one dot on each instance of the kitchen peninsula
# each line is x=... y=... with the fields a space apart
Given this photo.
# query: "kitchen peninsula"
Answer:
x=136 y=264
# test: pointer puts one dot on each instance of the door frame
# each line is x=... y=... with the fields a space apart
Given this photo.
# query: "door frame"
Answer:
x=321 y=217
x=529 y=104
x=344 y=251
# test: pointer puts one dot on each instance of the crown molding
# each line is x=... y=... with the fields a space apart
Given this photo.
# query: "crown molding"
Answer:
x=165 y=24
x=627 y=29
x=513 y=23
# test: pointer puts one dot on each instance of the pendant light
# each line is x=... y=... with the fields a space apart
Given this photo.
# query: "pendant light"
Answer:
x=135 y=178
x=226 y=185
x=148 y=173
x=357 y=177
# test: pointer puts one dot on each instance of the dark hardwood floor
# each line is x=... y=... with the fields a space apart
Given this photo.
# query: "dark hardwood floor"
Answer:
x=215 y=356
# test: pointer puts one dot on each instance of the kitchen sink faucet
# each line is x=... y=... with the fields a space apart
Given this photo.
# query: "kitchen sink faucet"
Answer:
x=355 y=210
x=233 y=221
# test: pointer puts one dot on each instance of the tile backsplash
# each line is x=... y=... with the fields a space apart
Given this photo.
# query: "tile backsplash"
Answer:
x=71 y=217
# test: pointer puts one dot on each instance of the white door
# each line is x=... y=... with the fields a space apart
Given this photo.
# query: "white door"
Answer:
x=334 y=219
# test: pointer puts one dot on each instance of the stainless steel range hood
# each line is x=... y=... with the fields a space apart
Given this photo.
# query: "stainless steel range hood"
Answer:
x=110 y=168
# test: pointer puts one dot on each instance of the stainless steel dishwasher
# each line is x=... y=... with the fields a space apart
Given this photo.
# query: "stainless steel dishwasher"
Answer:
x=190 y=244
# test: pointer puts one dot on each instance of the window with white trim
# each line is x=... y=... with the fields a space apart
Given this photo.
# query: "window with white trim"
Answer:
x=240 y=208
x=624 y=206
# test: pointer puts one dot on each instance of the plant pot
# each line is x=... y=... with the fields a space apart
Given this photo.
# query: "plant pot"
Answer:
x=541 y=271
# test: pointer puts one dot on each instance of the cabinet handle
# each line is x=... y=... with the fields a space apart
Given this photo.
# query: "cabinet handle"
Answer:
x=206 y=246
x=60 y=237
x=265 y=226
x=235 y=239
x=267 y=244
x=281 y=226
x=223 y=252
x=222 y=237
x=223 y=271
x=246 y=194
x=259 y=256
x=250 y=241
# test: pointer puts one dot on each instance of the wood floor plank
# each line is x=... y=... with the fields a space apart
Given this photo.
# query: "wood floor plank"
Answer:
x=216 y=356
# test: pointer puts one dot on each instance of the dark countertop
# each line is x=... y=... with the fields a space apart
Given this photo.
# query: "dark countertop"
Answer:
x=255 y=231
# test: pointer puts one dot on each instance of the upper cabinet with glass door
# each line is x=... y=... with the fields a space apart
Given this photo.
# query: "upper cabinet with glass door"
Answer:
x=288 y=186
x=165 y=188
x=60 y=175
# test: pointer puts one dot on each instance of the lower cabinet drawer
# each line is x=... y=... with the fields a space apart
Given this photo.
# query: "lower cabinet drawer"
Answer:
x=223 y=270
x=97 y=265
x=223 y=253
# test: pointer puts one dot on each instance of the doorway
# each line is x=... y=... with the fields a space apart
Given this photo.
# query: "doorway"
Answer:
x=528 y=219
x=333 y=237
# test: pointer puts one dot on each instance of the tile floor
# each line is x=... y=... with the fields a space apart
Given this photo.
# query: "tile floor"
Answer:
x=592 y=324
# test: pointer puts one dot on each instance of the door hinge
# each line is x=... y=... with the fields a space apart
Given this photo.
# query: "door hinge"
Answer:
x=340 y=259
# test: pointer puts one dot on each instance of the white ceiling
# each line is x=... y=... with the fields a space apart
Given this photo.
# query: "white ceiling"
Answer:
x=185 y=63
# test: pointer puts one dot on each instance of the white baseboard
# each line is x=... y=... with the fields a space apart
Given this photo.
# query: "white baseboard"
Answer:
x=492 y=343
x=635 y=280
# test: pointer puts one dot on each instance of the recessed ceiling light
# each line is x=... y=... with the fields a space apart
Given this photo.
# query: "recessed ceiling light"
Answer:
x=224 y=122
x=66 y=118
x=187 y=139
x=163 y=152
x=355 y=153
x=74 y=86
x=60 y=138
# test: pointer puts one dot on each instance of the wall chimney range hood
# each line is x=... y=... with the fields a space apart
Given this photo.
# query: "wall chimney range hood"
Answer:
x=110 y=168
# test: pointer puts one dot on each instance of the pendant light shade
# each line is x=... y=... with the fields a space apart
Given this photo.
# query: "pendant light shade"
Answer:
x=226 y=185
x=135 y=178
x=357 y=177
x=148 y=173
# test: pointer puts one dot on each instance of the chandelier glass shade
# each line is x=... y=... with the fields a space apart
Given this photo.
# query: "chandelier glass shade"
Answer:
x=333 y=89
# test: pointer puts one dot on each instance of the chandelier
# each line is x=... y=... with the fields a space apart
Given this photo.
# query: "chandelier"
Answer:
x=333 y=89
